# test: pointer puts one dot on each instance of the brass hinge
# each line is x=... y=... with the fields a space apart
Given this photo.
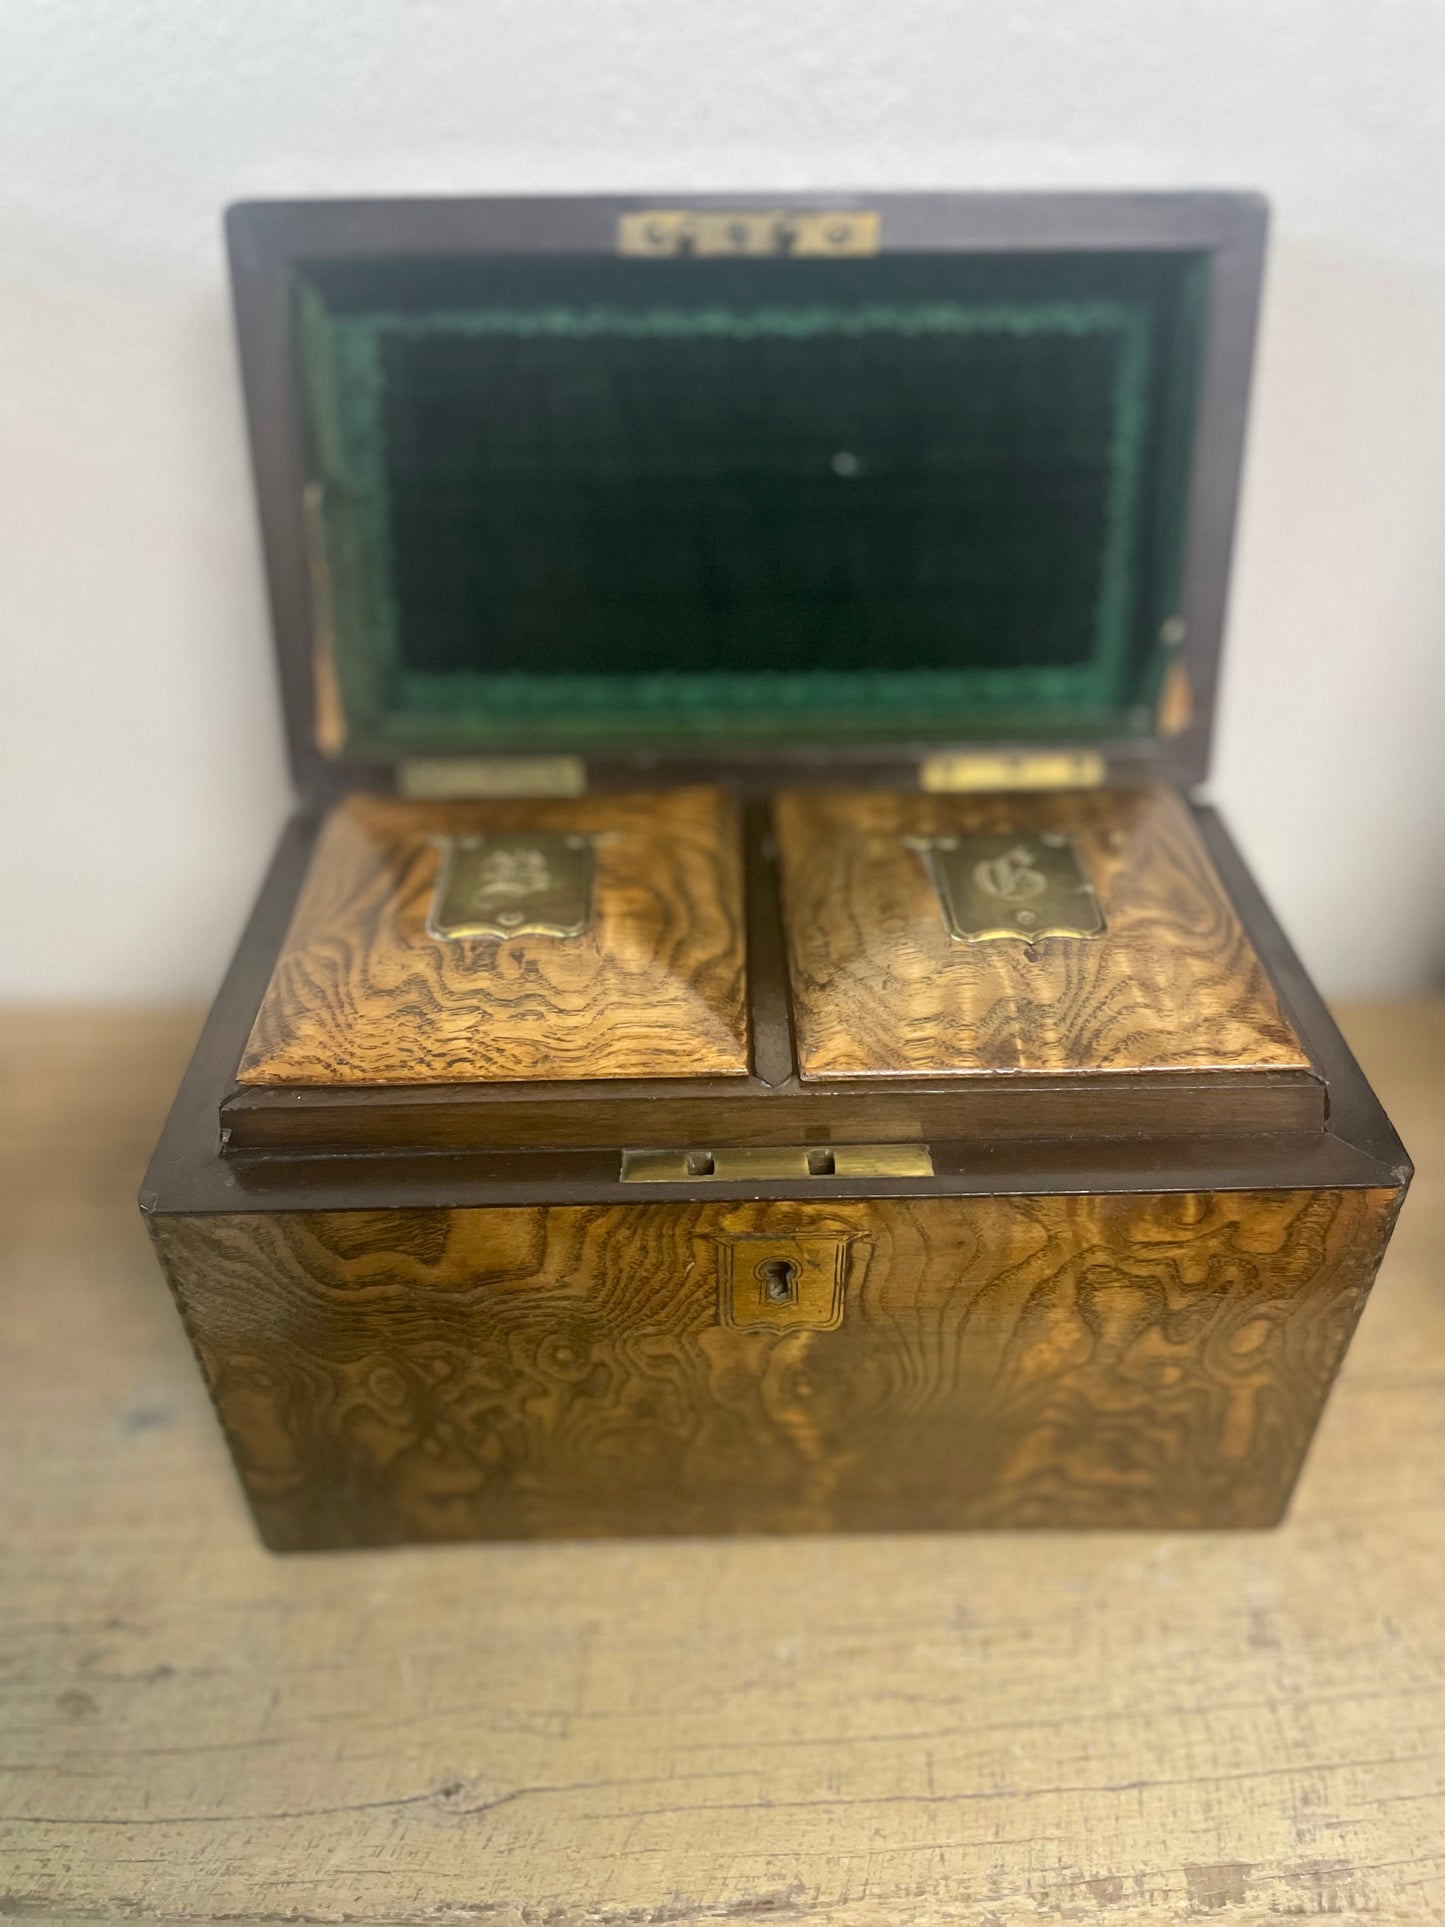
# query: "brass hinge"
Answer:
x=330 y=713
x=673 y=230
x=1176 y=703
x=745 y=1162
x=1012 y=769
x=445 y=778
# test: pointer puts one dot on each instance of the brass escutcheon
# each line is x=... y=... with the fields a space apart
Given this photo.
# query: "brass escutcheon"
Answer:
x=790 y=1282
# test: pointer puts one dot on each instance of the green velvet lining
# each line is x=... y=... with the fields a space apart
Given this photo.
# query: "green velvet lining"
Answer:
x=930 y=500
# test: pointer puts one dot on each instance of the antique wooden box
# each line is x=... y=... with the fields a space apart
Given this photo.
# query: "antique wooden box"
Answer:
x=749 y=1028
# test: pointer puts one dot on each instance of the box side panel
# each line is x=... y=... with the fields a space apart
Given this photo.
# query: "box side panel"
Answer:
x=933 y=1363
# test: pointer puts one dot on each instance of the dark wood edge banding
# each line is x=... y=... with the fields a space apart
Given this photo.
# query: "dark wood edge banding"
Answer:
x=460 y=1117
x=775 y=1051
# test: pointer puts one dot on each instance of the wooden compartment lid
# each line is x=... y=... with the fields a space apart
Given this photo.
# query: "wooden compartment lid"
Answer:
x=881 y=986
x=386 y=978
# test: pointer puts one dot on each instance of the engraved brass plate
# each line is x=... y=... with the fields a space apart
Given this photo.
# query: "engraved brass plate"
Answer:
x=782 y=1282
x=537 y=885
x=1010 y=885
x=667 y=230
x=1012 y=769
x=745 y=1162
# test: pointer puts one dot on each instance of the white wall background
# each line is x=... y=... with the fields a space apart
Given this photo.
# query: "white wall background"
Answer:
x=141 y=773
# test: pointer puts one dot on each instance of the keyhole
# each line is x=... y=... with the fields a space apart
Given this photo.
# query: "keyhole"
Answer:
x=780 y=1281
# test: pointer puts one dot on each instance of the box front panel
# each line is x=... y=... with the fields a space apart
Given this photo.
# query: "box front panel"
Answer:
x=782 y=1366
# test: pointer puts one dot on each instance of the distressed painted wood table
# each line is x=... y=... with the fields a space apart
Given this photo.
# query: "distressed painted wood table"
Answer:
x=994 y=1729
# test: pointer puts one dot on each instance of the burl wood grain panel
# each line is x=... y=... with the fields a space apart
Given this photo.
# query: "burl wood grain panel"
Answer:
x=1049 y=1361
x=879 y=987
x=654 y=987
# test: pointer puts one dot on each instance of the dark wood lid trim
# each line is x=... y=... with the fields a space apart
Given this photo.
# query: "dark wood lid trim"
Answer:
x=459 y=1118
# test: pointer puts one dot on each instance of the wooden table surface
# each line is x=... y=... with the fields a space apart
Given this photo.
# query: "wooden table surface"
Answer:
x=990 y=1729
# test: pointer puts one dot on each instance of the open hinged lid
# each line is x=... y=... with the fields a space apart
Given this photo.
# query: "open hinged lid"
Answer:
x=571 y=492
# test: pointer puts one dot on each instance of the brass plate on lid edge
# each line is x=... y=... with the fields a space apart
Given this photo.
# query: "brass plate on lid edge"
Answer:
x=663 y=231
x=1007 y=884
x=537 y=885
